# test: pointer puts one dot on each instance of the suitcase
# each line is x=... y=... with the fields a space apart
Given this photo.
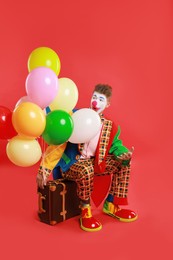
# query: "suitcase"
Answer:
x=58 y=201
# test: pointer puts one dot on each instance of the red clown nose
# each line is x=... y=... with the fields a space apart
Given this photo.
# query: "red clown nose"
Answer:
x=94 y=104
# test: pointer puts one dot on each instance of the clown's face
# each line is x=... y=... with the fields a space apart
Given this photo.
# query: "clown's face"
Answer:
x=99 y=102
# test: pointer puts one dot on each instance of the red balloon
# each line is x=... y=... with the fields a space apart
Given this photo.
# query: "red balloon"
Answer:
x=7 y=130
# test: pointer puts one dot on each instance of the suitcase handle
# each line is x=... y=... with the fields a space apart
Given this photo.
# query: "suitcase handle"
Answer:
x=40 y=203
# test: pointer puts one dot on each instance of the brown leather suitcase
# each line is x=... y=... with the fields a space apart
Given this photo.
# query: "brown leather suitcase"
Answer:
x=58 y=201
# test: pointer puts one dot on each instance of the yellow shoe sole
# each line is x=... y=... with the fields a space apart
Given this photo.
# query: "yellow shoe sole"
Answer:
x=89 y=229
x=120 y=219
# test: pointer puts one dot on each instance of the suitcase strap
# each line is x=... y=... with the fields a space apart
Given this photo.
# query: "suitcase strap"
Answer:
x=62 y=193
x=40 y=203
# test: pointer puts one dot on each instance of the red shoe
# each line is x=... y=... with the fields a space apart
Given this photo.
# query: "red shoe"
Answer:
x=87 y=222
x=125 y=215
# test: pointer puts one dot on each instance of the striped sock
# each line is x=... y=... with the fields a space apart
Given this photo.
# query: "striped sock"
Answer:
x=110 y=198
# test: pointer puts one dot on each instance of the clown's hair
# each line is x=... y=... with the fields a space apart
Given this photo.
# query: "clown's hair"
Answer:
x=104 y=89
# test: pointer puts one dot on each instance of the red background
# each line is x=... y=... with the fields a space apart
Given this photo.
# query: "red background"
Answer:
x=127 y=44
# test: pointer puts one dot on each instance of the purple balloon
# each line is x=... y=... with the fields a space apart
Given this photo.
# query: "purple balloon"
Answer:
x=42 y=86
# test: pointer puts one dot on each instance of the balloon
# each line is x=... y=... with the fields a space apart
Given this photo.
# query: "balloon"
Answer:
x=7 y=130
x=23 y=152
x=87 y=123
x=22 y=100
x=41 y=86
x=59 y=127
x=29 y=120
x=44 y=57
x=67 y=96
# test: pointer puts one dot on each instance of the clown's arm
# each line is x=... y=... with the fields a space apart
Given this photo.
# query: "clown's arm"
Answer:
x=50 y=158
x=119 y=150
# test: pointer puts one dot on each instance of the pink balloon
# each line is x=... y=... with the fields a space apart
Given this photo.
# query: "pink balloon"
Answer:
x=42 y=86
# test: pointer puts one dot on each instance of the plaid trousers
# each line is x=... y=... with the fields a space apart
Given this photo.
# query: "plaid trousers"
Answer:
x=82 y=172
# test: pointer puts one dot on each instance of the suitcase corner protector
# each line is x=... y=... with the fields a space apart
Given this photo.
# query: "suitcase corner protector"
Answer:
x=53 y=222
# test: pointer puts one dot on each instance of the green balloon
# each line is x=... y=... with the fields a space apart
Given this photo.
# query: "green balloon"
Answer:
x=59 y=127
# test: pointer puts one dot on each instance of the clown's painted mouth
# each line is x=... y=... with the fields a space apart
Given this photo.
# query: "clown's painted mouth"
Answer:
x=95 y=108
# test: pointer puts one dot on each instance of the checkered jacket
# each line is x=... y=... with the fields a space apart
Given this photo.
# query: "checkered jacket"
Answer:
x=72 y=152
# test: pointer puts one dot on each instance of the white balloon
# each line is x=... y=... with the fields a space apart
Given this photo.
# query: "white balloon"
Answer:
x=87 y=123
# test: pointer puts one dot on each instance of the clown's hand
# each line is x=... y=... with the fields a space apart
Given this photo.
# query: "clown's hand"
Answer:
x=42 y=177
x=126 y=156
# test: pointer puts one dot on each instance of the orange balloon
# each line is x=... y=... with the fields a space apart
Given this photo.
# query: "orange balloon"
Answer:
x=29 y=120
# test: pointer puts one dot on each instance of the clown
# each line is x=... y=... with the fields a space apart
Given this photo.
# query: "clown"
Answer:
x=102 y=155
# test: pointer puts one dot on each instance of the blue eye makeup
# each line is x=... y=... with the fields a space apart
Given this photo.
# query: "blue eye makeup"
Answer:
x=102 y=99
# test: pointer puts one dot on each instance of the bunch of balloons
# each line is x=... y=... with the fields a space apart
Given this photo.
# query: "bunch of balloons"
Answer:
x=28 y=121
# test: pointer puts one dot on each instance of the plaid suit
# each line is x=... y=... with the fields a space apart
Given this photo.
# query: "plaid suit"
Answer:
x=83 y=170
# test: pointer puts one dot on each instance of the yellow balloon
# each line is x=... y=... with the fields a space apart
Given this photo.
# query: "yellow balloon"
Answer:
x=67 y=96
x=44 y=57
x=29 y=120
x=23 y=152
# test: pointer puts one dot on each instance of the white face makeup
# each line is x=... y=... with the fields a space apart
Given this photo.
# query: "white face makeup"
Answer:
x=99 y=102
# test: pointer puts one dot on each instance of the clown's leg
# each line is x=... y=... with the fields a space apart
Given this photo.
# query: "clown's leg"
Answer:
x=83 y=173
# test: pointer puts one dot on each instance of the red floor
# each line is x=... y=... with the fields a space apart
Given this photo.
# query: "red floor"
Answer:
x=129 y=45
x=23 y=236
